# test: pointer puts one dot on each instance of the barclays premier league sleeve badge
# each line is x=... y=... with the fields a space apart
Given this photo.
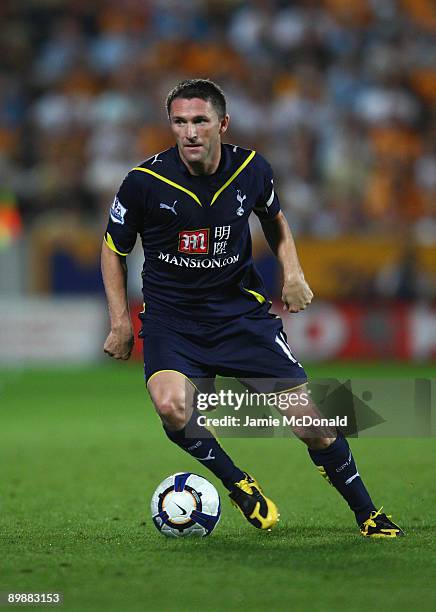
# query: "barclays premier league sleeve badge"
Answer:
x=117 y=212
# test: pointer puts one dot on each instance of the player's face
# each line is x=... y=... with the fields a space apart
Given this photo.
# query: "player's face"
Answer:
x=197 y=130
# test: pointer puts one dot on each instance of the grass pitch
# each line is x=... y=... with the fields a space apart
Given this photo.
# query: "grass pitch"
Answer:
x=81 y=452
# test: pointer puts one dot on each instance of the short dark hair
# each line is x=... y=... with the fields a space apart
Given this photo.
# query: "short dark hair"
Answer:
x=205 y=89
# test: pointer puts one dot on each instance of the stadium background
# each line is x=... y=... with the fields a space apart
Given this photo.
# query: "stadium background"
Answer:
x=340 y=96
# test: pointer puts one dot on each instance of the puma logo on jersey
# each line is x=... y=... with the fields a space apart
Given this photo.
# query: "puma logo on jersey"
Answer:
x=210 y=456
x=156 y=159
x=168 y=207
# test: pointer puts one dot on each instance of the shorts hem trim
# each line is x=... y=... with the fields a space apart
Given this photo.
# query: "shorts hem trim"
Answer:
x=177 y=372
x=286 y=390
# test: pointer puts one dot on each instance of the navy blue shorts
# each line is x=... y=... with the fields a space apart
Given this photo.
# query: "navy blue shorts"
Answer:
x=253 y=346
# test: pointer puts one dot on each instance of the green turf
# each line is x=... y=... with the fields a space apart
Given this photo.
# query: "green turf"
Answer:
x=81 y=452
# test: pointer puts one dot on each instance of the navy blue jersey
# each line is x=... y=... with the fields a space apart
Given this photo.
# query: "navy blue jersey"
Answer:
x=195 y=232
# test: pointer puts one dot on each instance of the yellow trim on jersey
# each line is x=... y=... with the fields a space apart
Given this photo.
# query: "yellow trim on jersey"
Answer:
x=259 y=297
x=112 y=246
x=172 y=183
x=177 y=372
x=191 y=193
x=234 y=175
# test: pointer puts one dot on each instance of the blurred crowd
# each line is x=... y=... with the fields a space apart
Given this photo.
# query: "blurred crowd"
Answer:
x=339 y=95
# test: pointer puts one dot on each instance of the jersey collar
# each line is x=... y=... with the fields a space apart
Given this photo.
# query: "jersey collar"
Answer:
x=223 y=167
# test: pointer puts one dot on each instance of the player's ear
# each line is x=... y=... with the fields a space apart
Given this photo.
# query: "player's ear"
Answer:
x=224 y=124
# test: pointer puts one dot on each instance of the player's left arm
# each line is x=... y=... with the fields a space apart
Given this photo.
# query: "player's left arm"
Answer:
x=296 y=293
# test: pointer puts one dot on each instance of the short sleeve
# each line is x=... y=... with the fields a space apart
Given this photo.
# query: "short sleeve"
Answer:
x=267 y=205
x=126 y=216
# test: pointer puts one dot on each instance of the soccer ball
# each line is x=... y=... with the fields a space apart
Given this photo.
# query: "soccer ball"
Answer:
x=185 y=504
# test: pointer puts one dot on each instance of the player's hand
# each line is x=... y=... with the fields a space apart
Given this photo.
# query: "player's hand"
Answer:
x=119 y=343
x=296 y=294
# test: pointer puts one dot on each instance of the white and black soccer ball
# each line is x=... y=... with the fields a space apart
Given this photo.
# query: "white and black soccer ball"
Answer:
x=185 y=504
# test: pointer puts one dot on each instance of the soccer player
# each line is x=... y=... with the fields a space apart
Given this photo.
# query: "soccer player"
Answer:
x=205 y=308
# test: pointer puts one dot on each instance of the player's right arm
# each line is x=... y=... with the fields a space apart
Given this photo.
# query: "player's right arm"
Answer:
x=119 y=342
x=125 y=221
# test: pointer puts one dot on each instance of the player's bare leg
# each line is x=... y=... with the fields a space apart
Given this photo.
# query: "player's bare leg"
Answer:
x=315 y=437
x=172 y=395
x=330 y=452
